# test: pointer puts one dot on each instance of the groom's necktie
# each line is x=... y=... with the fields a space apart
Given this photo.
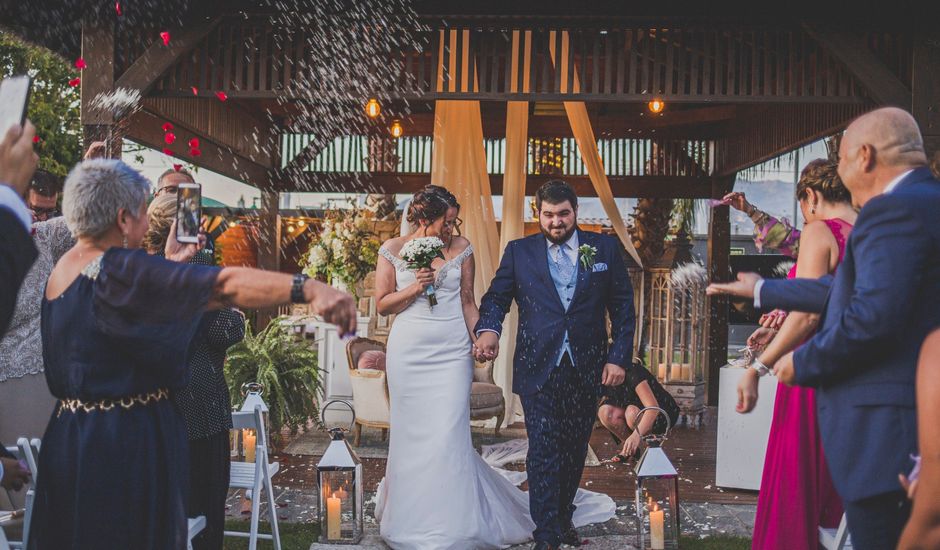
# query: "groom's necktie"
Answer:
x=563 y=262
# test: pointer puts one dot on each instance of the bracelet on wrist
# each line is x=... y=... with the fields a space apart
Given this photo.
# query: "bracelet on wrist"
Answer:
x=760 y=367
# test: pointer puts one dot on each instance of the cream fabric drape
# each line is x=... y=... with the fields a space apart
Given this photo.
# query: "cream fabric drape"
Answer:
x=459 y=164
x=587 y=145
x=513 y=227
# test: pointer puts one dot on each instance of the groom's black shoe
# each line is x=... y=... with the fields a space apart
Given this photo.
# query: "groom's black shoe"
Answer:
x=570 y=536
x=542 y=545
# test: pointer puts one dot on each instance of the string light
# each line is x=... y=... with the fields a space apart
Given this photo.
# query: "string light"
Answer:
x=656 y=106
x=373 y=109
x=396 y=129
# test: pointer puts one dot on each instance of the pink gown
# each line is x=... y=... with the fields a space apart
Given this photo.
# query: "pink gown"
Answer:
x=796 y=493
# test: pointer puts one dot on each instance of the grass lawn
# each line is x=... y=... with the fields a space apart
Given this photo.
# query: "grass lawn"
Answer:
x=722 y=542
x=299 y=536
x=294 y=536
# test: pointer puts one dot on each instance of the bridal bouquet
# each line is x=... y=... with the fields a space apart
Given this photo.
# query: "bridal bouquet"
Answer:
x=419 y=253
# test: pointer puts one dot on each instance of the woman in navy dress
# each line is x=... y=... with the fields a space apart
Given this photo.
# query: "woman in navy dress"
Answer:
x=116 y=327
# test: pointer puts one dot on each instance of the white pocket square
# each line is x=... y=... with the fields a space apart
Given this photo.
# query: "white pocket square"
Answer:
x=599 y=267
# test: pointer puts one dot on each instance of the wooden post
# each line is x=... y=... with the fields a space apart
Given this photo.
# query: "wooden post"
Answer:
x=98 y=78
x=719 y=269
x=926 y=92
x=269 y=243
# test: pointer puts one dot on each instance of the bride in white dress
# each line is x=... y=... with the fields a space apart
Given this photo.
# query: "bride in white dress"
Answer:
x=438 y=493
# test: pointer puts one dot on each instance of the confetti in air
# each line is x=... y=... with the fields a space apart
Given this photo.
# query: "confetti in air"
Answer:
x=689 y=276
x=120 y=102
x=80 y=64
x=783 y=268
x=221 y=95
x=165 y=36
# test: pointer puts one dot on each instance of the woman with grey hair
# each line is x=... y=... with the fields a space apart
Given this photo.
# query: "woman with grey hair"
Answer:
x=116 y=327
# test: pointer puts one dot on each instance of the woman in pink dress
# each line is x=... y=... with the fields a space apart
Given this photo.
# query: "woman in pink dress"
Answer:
x=797 y=495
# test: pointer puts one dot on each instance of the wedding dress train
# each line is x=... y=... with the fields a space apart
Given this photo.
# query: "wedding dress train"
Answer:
x=438 y=492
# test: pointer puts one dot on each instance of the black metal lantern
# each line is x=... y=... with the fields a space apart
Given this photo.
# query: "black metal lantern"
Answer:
x=657 y=493
x=339 y=481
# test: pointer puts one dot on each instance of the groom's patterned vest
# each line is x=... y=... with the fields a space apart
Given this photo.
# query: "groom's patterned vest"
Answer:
x=565 y=292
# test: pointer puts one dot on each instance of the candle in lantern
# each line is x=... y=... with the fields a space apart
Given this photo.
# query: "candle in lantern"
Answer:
x=333 y=518
x=656 y=528
x=686 y=371
x=662 y=371
x=676 y=372
x=250 y=439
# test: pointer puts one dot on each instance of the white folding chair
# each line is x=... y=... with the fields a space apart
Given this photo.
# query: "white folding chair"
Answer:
x=253 y=477
x=195 y=526
x=836 y=539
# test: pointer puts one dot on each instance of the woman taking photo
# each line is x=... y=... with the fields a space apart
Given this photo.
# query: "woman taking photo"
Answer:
x=116 y=328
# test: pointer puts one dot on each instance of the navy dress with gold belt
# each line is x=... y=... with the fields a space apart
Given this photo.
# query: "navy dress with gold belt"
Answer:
x=113 y=468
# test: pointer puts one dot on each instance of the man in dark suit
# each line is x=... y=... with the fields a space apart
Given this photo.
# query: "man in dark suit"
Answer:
x=877 y=310
x=564 y=281
x=17 y=253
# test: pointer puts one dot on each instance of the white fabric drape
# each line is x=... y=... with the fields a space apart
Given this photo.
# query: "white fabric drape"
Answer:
x=587 y=145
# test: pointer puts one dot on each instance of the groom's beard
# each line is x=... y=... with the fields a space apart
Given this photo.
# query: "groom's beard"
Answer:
x=558 y=240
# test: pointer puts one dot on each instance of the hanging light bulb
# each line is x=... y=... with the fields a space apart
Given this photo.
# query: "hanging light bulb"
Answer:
x=290 y=228
x=301 y=223
x=373 y=109
x=396 y=129
x=656 y=106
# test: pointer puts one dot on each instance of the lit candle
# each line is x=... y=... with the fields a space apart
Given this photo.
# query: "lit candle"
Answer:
x=249 y=438
x=687 y=371
x=662 y=371
x=656 y=528
x=333 y=518
x=676 y=372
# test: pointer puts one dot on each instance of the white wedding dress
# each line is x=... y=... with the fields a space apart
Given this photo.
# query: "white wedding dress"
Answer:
x=438 y=492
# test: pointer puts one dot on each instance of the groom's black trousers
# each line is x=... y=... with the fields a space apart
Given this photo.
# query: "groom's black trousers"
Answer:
x=559 y=419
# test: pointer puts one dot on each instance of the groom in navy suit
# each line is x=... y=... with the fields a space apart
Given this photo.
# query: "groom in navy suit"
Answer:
x=564 y=281
x=876 y=313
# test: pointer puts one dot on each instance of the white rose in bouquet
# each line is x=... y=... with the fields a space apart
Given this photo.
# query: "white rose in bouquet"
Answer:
x=419 y=253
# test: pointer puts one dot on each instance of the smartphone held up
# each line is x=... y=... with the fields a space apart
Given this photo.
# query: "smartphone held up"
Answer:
x=188 y=212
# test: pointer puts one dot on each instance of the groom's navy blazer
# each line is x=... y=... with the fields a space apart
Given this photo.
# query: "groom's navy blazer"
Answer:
x=523 y=276
x=877 y=310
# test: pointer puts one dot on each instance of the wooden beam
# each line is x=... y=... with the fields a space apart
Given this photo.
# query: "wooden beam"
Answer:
x=97 y=78
x=719 y=269
x=145 y=128
x=269 y=244
x=153 y=63
x=388 y=183
x=926 y=90
x=850 y=49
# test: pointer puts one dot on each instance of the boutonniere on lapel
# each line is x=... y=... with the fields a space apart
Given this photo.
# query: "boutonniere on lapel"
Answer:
x=587 y=253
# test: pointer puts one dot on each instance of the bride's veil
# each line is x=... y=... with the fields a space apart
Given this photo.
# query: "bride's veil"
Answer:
x=406 y=227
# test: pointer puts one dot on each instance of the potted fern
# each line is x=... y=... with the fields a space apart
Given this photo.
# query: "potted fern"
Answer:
x=287 y=368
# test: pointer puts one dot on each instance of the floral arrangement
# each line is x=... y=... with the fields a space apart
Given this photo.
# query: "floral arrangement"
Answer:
x=346 y=249
x=419 y=253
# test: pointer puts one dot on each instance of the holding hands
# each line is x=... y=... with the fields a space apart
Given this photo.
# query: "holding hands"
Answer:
x=486 y=347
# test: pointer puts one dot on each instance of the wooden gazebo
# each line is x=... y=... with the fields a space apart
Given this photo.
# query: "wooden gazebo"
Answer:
x=739 y=90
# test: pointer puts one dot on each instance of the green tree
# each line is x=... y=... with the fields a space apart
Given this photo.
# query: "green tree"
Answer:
x=54 y=106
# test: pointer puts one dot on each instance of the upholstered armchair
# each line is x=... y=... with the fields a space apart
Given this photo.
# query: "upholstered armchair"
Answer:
x=369 y=386
x=370 y=390
x=486 y=398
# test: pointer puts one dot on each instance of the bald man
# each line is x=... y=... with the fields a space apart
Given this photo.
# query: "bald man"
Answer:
x=876 y=312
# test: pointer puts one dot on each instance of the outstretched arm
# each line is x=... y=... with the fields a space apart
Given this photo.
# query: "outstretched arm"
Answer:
x=892 y=243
